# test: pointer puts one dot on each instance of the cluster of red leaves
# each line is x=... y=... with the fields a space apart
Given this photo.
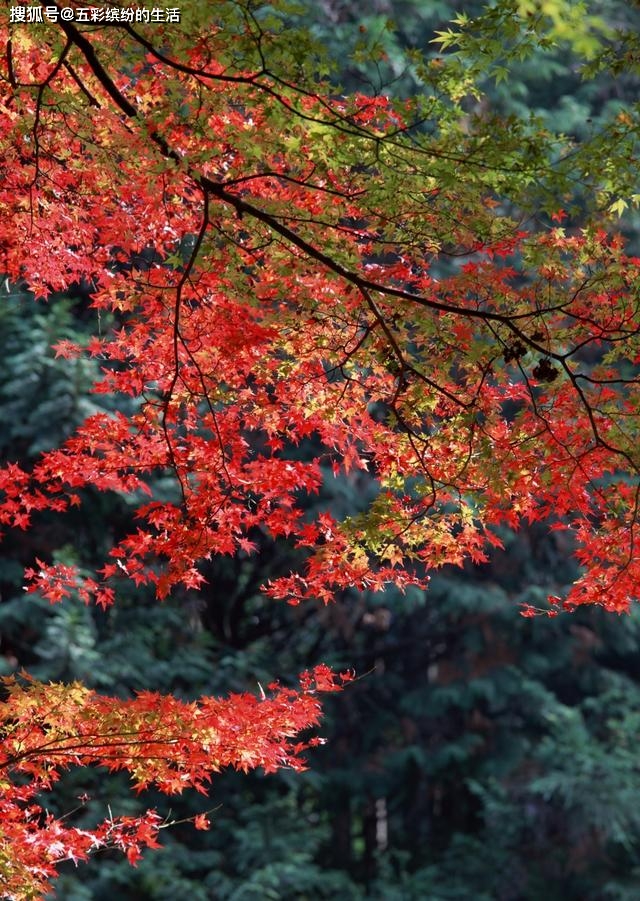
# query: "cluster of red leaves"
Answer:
x=261 y=320
x=160 y=741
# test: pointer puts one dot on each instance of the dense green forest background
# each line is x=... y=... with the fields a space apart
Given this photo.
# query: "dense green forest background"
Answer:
x=480 y=755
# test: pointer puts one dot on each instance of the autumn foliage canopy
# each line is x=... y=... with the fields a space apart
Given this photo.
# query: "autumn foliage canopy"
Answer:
x=300 y=284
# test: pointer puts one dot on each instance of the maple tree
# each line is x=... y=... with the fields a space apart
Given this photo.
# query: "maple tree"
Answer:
x=372 y=280
x=157 y=739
